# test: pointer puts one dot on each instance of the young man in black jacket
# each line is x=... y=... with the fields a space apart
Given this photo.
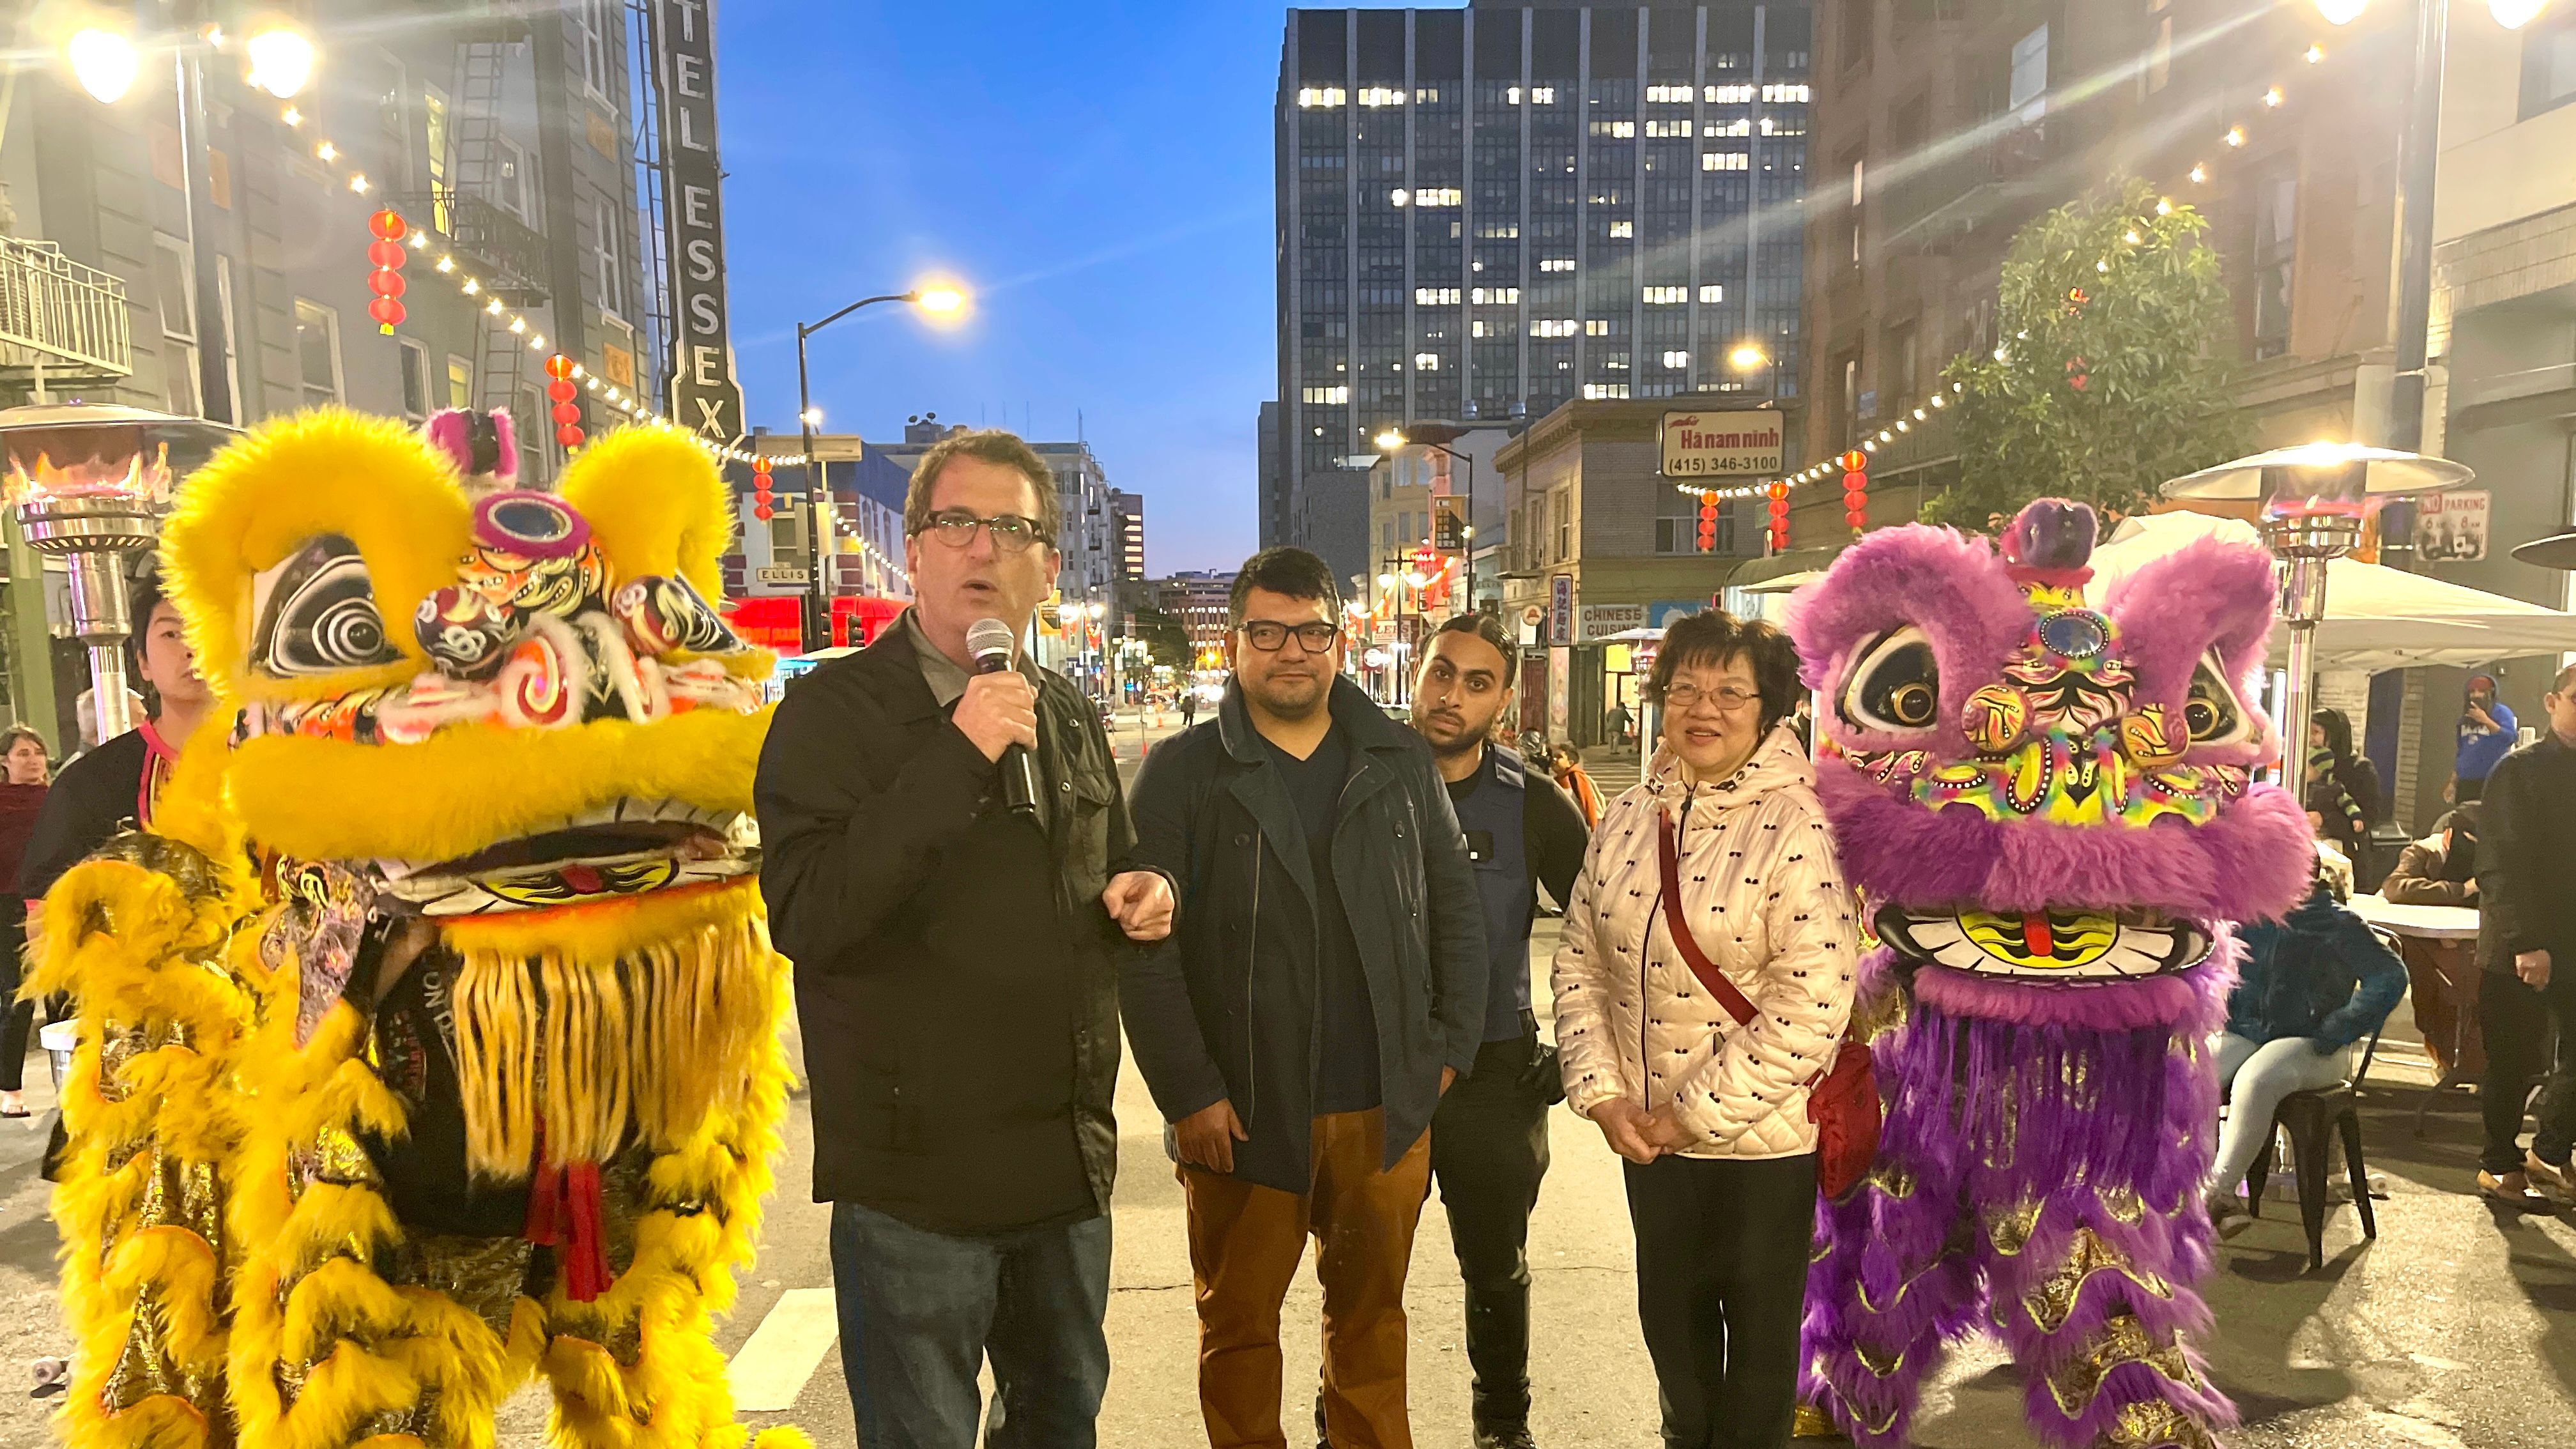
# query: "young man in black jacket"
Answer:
x=955 y=979
x=2527 y=945
x=1327 y=984
x=1489 y=1139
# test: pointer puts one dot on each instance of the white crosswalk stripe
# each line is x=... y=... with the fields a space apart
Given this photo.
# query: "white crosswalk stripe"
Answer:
x=772 y=1369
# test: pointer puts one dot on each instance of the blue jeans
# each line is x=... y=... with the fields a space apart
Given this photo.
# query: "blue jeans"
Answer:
x=921 y=1311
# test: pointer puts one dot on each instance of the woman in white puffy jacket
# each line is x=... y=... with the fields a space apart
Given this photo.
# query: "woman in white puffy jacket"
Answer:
x=1712 y=1115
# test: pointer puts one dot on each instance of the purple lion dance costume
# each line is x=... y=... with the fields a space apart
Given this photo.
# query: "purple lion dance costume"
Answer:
x=2047 y=807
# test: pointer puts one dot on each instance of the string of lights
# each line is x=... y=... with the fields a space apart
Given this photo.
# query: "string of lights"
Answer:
x=607 y=395
x=1830 y=472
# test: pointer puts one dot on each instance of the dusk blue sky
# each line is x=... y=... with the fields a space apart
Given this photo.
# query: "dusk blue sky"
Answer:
x=1099 y=174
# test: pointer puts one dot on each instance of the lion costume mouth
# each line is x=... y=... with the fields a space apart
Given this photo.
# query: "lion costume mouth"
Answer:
x=2070 y=946
x=624 y=848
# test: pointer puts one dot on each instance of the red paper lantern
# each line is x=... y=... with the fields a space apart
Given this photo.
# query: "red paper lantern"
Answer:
x=561 y=391
x=568 y=435
x=1855 y=498
x=1855 y=461
x=1857 y=518
x=387 y=254
x=567 y=412
x=559 y=367
x=763 y=512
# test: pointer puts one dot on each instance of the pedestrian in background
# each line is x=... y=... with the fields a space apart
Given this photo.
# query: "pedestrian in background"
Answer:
x=1327 y=984
x=2527 y=945
x=2310 y=987
x=22 y=795
x=2487 y=733
x=1710 y=1114
x=1619 y=722
x=1489 y=1138
x=1571 y=777
x=955 y=979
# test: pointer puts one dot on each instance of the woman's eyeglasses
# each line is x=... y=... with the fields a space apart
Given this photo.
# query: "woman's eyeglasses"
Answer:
x=956 y=527
x=1683 y=698
x=1268 y=635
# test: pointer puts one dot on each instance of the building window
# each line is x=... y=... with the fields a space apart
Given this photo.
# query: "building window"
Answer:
x=1860 y=34
x=2160 y=55
x=593 y=18
x=433 y=131
x=2549 y=61
x=1666 y=296
x=512 y=188
x=414 y=360
x=528 y=415
x=2028 y=99
x=1437 y=297
x=608 y=251
x=394 y=166
x=460 y=382
x=1902 y=383
x=317 y=352
x=2276 y=200
x=177 y=300
x=1712 y=292
x=1561 y=504
x=1726 y=161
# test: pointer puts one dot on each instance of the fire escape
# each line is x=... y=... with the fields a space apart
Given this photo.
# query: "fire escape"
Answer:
x=62 y=324
x=499 y=249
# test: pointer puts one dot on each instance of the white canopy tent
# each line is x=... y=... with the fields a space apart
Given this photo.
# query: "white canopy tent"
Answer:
x=2376 y=618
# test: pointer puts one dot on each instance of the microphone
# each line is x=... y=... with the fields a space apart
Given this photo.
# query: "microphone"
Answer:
x=992 y=643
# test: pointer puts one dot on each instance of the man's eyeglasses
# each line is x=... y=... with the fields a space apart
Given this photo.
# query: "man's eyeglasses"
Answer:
x=956 y=527
x=1683 y=698
x=1268 y=635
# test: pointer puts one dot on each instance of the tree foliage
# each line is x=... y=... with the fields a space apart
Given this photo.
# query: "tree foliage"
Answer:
x=2114 y=371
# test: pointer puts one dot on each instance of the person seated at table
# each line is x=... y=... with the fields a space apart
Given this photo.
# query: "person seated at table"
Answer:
x=2441 y=869
x=2311 y=986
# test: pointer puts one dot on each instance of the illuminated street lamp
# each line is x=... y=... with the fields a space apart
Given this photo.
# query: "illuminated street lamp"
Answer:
x=942 y=299
x=105 y=63
x=281 y=59
x=1435 y=436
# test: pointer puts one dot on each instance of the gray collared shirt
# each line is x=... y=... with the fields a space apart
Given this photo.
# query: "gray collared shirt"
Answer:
x=947 y=680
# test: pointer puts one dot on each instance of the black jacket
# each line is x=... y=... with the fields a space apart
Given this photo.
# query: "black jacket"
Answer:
x=955 y=971
x=2527 y=856
x=1225 y=1009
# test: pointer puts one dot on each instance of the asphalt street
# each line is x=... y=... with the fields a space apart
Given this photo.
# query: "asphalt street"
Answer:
x=2457 y=1327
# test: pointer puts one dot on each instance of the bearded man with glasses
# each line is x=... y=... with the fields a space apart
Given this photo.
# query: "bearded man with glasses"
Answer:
x=955 y=978
x=1326 y=985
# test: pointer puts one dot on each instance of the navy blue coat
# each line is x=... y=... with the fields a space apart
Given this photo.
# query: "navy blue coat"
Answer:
x=2319 y=974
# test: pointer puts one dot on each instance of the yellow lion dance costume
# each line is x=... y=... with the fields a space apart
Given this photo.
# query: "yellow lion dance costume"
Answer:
x=430 y=1040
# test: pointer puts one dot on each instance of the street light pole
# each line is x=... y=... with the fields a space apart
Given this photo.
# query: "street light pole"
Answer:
x=818 y=598
x=2418 y=152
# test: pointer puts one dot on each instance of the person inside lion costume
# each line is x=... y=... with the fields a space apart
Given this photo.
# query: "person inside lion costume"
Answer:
x=429 y=1039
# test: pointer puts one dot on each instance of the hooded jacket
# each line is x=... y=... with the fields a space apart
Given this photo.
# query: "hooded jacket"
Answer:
x=1765 y=894
x=2319 y=974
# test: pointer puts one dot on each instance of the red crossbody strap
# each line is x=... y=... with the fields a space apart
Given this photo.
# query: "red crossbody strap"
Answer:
x=1677 y=923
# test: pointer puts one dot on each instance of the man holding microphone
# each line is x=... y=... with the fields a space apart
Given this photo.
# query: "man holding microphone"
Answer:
x=947 y=864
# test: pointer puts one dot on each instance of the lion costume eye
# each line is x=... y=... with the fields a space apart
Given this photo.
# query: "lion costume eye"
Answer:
x=2210 y=711
x=317 y=613
x=1896 y=686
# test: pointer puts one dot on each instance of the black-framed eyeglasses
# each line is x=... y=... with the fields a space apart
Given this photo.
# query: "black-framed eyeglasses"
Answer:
x=956 y=527
x=1269 y=635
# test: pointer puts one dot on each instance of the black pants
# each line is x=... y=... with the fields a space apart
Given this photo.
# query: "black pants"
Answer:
x=20 y=1019
x=1488 y=1152
x=1721 y=1285
x=2517 y=1021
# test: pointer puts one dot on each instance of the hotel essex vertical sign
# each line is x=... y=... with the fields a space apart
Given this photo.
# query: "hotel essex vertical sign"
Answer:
x=704 y=396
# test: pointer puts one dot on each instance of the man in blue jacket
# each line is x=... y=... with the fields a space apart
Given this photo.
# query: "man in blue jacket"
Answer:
x=1324 y=984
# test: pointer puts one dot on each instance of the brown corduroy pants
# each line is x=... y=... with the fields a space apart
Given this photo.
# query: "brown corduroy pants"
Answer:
x=1245 y=1244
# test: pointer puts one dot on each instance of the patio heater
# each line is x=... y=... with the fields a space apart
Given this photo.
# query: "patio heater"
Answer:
x=2557 y=551
x=90 y=482
x=2314 y=500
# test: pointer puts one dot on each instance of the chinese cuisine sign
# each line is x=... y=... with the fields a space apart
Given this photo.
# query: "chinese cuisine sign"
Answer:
x=1720 y=444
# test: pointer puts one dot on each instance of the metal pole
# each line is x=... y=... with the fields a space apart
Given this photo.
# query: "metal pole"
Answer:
x=2294 y=699
x=818 y=608
x=2418 y=150
x=214 y=381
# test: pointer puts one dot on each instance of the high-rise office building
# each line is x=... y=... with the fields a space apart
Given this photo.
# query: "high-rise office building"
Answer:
x=1486 y=212
x=1130 y=511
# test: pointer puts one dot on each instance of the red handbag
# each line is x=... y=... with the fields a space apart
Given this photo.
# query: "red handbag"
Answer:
x=1842 y=1100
